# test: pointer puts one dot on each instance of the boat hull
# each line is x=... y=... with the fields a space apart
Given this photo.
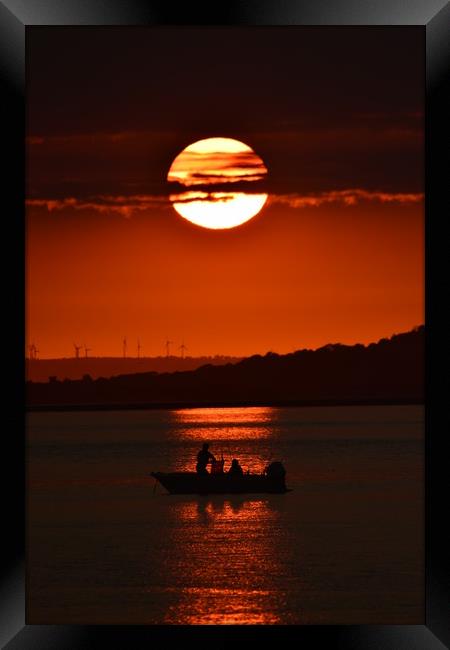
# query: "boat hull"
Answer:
x=192 y=483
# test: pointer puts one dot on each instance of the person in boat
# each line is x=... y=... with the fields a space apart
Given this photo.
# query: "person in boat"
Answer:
x=203 y=458
x=235 y=469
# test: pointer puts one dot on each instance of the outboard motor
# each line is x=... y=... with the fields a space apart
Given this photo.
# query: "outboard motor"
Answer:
x=275 y=470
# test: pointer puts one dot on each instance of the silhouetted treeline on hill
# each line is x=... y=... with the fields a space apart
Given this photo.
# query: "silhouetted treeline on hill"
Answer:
x=72 y=368
x=390 y=371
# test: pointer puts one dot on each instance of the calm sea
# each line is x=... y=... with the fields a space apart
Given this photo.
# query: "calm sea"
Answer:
x=346 y=546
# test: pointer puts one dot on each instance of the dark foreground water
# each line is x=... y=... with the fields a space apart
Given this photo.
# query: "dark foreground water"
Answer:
x=346 y=546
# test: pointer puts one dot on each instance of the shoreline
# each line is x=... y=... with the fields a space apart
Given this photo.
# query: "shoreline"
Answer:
x=171 y=406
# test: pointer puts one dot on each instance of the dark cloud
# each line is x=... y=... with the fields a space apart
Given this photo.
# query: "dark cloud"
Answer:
x=325 y=108
x=189 y=79
x=218 y=177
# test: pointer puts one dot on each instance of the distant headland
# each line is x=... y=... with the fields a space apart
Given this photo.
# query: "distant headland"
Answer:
x=40 y=370
x=390 y=371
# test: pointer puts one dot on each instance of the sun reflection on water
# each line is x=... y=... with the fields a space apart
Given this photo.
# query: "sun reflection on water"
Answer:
x=225 y=607
x=225 y=560
x=224 y=423
x=225 y=413
x=230 y=431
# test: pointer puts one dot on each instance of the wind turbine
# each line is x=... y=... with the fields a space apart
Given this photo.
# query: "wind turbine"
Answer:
x=124 y=347
x=168 y=344
x=183 y=349
x=139 y=348
x=86 y=350
x=77 y=350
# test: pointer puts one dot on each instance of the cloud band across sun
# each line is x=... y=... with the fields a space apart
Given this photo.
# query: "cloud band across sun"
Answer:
x=128 y=206
x=216 y=160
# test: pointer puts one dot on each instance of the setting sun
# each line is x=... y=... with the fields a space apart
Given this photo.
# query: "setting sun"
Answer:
x=206 y=171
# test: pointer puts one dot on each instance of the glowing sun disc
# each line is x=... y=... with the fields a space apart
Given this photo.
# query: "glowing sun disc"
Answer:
x=233 y=210
x=204 y=170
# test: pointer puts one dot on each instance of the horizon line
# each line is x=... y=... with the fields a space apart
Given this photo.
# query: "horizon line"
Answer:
x=219 y=355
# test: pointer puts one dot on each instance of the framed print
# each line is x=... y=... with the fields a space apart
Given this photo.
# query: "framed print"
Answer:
x=227 y=283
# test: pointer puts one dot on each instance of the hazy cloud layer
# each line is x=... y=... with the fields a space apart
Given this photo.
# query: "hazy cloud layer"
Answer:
x=127 y=206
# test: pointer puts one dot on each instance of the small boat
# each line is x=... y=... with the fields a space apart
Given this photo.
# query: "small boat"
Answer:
x=272 y=481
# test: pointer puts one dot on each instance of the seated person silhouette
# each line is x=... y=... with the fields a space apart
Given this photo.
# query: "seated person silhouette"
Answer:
x=203 y=458
x=235 y=469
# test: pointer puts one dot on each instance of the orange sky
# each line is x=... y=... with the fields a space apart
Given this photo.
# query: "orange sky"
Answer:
x=289 y=278
x=335 y=255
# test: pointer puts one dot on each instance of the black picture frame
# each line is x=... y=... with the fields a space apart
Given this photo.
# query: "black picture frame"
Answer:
x=16 y=16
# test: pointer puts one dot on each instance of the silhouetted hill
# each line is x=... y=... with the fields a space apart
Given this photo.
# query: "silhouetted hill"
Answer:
x=390 y=371
x=72 y=368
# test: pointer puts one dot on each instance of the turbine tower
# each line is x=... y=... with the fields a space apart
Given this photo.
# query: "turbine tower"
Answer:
x=168 y=344
x=86 y=350
x=183 y=349
x=124 y=347
x=77 y=350
x=139 y=348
